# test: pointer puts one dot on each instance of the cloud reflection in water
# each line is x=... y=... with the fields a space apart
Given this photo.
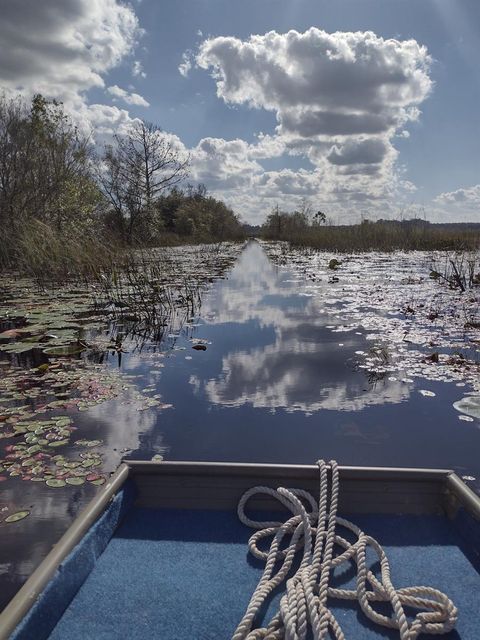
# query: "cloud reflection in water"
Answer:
x=305 y=369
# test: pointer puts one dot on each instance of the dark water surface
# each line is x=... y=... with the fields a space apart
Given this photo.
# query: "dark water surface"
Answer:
x=275 y=386
x=276 y=383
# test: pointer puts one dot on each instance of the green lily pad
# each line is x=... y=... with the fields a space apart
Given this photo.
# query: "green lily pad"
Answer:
x=93 y=443
x=64 y=351
x=15 y=517
x=75 y=480
x=20 y=347
x=63 y=422
x=57 y=443
x=98 y=482
x=55 y=482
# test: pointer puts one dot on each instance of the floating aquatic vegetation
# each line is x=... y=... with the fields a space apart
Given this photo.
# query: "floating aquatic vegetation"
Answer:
x=393 y=298
x=15 y=517
x=54 y=345
x=469 y=405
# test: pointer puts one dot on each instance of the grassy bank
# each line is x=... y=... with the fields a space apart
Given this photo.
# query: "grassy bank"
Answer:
x=377 y=236
x=69 y=208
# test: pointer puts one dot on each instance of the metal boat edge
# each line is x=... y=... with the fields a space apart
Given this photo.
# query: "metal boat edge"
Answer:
x=219 y=485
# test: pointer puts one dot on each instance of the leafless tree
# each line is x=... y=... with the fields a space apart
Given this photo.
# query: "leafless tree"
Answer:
x=136 y=169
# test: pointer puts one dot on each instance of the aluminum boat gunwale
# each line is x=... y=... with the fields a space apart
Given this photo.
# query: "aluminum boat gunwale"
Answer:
x=205 y=485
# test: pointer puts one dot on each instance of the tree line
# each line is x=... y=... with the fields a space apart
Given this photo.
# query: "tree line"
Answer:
x=55 y=182
x=283 y=225
x=308 y=227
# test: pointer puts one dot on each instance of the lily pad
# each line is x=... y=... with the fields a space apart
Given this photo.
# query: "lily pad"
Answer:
x=15 y=517
x=9 y=333
x=75 y=480
x=55 y=482
x=64 y=351
x=58 y=443
x=98 y=482
x=469 y=405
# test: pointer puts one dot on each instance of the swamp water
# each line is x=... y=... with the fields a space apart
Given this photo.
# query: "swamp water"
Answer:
x=282 y=360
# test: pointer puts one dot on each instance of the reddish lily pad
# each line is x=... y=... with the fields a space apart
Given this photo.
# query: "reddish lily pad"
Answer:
x=9 y=333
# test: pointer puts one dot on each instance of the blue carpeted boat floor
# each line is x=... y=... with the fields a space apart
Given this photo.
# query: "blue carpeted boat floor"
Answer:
x=186 y=575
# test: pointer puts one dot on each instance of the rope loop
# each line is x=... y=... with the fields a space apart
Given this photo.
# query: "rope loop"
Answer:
x=311 y=538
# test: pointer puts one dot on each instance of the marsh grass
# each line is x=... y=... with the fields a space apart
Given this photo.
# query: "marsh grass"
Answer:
x=50 y=256
x=458 y=269
x=142 y=293
x=383 y=236
x=145 y=290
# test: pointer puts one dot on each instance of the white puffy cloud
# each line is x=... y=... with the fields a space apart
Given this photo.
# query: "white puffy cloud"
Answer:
x=288 y=182
x=60 y=47
x=127 y=96
x=63 y=48
x=137 y=69
x=466 y=198
x=267 y=146
x=224 y=164
x=339 y=101
x=105 y=120
x=319 y=83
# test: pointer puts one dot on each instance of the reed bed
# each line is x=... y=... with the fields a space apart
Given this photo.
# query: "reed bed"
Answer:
x=381 y=236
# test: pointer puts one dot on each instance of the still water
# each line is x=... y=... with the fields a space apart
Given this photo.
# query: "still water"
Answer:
x=268 y=371
x=275 y=386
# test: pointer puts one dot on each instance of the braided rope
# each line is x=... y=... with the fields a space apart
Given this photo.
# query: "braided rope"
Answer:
x=312 y=530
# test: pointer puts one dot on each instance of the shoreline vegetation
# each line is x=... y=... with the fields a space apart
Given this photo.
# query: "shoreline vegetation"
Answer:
x=71 y=211
x=307 y=229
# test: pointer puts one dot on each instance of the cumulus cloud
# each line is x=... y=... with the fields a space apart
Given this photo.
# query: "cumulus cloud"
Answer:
x=63 y=48
x=339 y=100
x=105 y=120
x=224 y=164
x=465 y=198
x=299 y=183
x=137 y=69
x=127 y=97
x=368 y=151
x=321 y=83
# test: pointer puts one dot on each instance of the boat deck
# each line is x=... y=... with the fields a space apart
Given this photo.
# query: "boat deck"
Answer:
x=185 y=574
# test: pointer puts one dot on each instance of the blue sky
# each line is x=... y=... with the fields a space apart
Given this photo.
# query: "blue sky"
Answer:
x=426 y=159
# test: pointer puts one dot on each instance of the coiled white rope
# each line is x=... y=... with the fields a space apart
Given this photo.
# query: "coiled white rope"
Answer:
x=312 y=530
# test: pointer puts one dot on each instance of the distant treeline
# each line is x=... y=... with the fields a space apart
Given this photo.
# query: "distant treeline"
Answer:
x=61 y=199
x=313 y=229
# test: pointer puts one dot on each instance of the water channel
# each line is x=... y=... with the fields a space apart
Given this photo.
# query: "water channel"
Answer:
x=274 y=377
